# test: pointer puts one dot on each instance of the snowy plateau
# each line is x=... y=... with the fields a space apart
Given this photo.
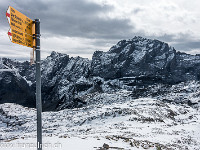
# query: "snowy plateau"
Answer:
x=141 y=94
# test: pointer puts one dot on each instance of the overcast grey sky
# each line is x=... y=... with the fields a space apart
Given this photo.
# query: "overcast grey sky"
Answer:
x=80 y=27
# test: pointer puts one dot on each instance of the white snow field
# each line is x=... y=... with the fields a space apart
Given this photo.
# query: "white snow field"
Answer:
x=110 y=121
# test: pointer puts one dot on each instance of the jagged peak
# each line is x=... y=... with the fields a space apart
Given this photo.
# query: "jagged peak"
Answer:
x=140 y=42
x=57 y=54
x=54 y=53
x=140 y=38
x=78 y=58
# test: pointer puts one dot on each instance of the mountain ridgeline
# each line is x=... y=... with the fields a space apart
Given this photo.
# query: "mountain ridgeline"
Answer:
x=130 y=64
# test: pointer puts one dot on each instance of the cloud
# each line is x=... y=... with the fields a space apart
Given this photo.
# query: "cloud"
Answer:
x=79 y=27
x=76 y=18
x=137 y=10
x=69 y=26
x=180 y=41
x=187 y=46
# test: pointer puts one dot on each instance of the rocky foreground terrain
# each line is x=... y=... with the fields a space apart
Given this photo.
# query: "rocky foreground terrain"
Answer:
x=112 y=121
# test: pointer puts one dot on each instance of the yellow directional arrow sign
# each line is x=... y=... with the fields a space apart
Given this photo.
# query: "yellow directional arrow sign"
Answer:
x=18 y=37
x=19 y=21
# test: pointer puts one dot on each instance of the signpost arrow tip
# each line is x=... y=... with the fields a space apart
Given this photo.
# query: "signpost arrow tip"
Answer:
x=10 y=34
x=8 y=14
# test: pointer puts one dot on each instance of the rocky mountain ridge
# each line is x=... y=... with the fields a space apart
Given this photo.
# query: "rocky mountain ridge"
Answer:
x=130 y=64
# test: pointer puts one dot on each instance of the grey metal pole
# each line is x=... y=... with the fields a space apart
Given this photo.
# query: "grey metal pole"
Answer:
x=38 y=86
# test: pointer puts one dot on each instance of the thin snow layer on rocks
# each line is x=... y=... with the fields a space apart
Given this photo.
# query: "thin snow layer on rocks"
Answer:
x=113 y=120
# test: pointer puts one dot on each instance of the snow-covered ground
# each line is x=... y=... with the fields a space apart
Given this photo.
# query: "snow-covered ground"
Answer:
x=114 y=121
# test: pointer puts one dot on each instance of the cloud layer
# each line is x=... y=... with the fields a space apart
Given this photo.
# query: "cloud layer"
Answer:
x=79 y=27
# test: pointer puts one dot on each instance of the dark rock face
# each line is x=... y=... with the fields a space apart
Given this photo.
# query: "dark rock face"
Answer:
x=187 y=67
x=59 y=75
x=134 y=57
x=147 y=59
x=15 y=89
x=135 y=62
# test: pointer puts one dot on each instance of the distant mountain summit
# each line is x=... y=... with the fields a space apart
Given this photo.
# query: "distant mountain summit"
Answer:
x=148 y=58
x=65 y=81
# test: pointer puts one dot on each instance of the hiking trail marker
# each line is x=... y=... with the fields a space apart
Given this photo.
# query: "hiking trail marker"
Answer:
x=19 y=21
x=22 y=30
x=26 y=32
x=19 y=37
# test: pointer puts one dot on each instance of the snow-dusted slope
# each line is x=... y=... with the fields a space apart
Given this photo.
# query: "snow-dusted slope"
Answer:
x=115 y=119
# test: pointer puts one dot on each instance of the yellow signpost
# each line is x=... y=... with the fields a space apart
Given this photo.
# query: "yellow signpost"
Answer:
x=19 y=21
x=21 y=31
x=19 y=37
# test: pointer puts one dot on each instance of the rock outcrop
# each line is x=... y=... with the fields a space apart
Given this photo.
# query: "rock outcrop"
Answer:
x=65 y=81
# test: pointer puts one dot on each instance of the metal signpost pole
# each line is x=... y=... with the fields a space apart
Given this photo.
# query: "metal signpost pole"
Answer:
x=38 y=86
x=20 y=33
